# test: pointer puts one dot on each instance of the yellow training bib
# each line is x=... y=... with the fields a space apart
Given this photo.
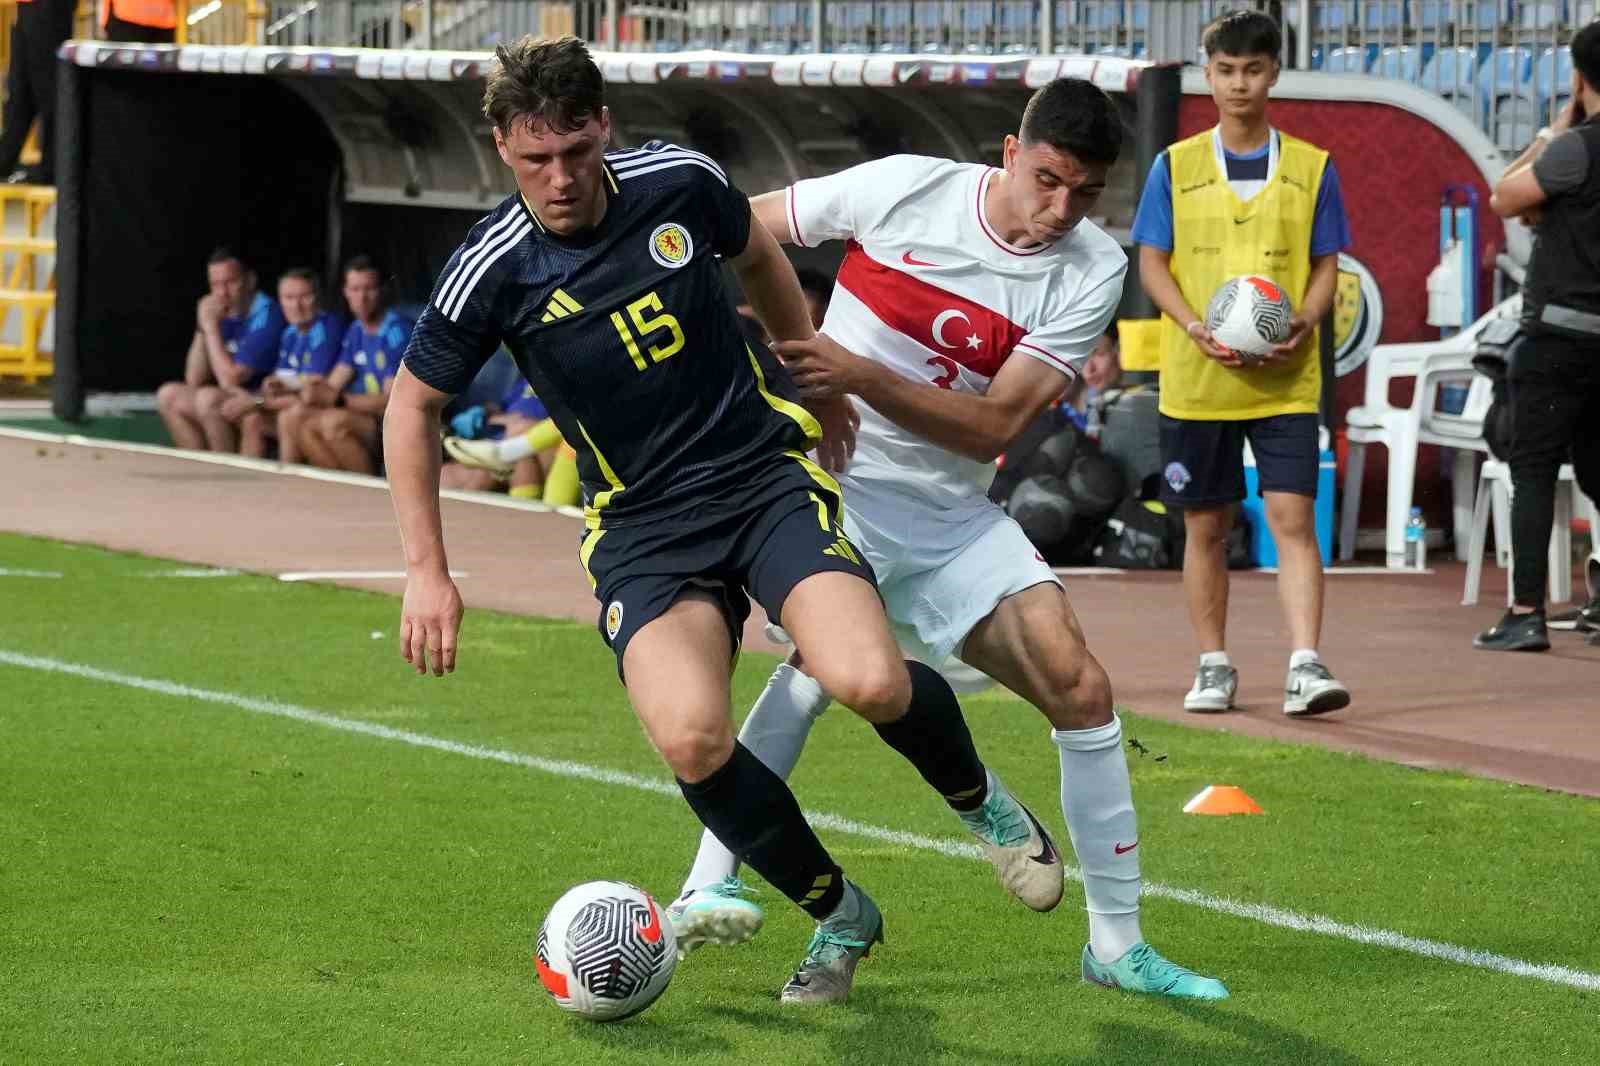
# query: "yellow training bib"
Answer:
x=1217 y=236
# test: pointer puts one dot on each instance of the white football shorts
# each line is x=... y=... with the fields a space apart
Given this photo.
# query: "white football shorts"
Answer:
x=940 y=570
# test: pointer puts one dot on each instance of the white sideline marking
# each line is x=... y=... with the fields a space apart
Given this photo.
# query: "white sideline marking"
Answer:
x=268 y=466
x=1255 y=912
x=4 y=572
x=194 y=571
x=354 y=575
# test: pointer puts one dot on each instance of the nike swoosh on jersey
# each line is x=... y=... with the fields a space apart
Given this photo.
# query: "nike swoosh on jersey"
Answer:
x=909 y=261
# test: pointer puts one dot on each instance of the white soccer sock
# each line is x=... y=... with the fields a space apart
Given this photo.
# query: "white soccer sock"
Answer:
x=1301 y=656
x=1097 y=802
x=775 y=732
x=1215 y=658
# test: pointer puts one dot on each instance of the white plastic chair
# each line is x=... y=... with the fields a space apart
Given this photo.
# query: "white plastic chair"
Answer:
x=1462 y=432
x=1494 y=494
x=1399 y=429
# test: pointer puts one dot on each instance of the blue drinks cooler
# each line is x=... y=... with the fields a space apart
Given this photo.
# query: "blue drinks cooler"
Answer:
x=1263 y=552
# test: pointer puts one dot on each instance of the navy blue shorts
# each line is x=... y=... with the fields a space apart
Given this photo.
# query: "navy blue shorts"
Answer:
x=1202 y=463
x=758 y=541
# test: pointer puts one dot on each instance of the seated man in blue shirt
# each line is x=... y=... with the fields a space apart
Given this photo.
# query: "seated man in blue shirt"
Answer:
x=307 y=350
x=339 y=421
x=235 y=342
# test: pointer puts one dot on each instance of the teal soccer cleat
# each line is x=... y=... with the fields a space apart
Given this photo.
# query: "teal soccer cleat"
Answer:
x=1142 y=969
x=842 y=940
x=716 y=914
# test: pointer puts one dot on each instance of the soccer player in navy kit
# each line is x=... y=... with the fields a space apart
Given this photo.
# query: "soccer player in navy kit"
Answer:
x=601 y=277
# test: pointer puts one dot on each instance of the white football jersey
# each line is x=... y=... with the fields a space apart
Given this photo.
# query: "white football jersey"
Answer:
x=930 y=290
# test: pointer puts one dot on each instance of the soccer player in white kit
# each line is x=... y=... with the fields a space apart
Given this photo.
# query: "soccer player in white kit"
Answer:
x=972 y=295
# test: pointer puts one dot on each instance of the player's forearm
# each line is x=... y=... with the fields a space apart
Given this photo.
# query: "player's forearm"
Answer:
x=1319 y=291
x=411 y=454
x=964 y=423
x=367 y=404
x=228 y=373
x=1155 y=274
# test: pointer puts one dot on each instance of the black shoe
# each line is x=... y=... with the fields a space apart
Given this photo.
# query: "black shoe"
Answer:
x=1515 y=632
x=1582 y=618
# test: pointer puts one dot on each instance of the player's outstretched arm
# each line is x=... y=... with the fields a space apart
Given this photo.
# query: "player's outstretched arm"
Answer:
x=977 y=426
x=430 y=615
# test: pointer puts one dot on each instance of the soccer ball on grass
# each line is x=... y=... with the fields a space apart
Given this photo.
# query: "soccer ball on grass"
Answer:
x=606 y=951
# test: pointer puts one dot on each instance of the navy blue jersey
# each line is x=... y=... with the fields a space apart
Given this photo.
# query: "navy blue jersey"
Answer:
x=626 y=334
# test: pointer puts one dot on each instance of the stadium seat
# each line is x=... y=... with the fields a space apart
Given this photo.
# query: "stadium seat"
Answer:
x=976 y=20
x=1324 y=16
x=1346 y=61
x=1402 y=63
x=1540 y=14
x=1017 y=32
x=1453 y=74
x=849 y=27
x=1515 y=117
x=929 y=25
x=1382 y=14
x=894 y=27
x=1552 y=74
x=1102 y=15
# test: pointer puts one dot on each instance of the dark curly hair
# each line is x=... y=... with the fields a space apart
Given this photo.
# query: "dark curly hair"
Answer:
x=553 y=81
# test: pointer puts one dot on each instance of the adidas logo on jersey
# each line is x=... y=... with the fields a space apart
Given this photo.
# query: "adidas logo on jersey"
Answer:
x=560 y=306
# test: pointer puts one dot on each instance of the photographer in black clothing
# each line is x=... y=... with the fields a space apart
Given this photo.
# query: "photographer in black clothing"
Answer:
x=1555 y=363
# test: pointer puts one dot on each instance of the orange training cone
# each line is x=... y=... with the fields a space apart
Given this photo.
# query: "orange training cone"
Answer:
x=1222 y=799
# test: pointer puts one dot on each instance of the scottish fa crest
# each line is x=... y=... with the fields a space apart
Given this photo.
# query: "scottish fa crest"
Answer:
x=671 y=246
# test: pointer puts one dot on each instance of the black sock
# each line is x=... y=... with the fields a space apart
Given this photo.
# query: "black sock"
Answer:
x=933 y=736
x=751 y=810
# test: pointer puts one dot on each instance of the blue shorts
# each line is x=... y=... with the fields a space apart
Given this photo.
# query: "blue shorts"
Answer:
x=1202 y=463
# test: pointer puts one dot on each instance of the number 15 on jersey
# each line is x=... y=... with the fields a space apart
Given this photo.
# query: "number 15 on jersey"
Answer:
x=647 y=327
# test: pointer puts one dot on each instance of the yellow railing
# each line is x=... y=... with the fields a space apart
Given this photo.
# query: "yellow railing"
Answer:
x=29 y=292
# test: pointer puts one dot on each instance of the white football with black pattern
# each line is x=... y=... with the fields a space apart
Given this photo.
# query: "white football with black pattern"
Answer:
x=1248 y=315
x=606 y=951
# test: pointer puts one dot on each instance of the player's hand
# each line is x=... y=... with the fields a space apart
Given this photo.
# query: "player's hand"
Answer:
x=430 y=618
x=274 y=387
x=319 y=393
x=839 y=420
x=237 y=404
x=1299 y=327
x=821 y=367
x=1532 y=216
x=1208 y=344
x=209 y=311
x=1569 y=116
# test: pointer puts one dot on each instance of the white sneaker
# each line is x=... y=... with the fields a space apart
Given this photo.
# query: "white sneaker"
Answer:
x=1213 y=691
x=1311 y=689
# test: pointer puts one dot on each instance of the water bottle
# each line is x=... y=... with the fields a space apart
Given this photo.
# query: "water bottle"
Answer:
x=1416 y=541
